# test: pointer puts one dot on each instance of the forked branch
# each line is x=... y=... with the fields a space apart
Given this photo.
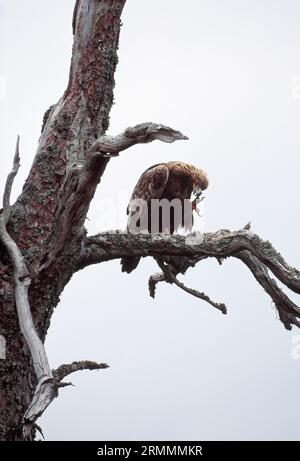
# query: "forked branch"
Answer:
x=176 y=253
x=169 y=276
x=47 y=383
x=81 y=182
x=22 y=282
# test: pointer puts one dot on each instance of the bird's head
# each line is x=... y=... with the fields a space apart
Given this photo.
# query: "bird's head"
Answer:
x=200 y=182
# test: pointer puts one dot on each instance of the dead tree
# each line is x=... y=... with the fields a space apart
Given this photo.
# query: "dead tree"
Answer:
x=44 y=229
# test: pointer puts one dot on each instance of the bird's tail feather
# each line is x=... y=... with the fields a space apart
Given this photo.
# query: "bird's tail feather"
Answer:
x=130 y=263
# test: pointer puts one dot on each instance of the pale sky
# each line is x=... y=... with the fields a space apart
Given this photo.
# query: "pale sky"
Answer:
x=226 y=73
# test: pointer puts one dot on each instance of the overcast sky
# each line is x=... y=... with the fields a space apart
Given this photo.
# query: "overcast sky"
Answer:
x=226 y=73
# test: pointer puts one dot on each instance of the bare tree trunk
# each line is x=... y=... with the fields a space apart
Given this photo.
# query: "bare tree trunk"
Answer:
x=46 y=224
x=17 y=376
x=46 y=221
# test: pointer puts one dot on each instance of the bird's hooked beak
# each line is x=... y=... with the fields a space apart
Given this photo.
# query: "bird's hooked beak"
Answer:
x=196 y=199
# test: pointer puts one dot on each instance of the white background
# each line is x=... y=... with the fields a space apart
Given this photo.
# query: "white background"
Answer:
x=225 y=73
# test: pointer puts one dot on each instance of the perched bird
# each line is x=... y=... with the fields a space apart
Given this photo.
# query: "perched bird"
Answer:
x=163 y=200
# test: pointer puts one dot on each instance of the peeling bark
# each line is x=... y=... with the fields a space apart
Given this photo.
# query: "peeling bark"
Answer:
x=43 y=230
x=71 y=126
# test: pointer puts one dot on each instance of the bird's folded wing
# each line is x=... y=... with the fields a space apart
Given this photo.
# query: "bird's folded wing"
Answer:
x=150 y=185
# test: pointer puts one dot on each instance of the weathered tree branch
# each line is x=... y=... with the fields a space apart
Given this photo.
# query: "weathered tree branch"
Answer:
x=48 y=217
x=139 y=134
x=9 y=183
x=44 y=230
x=47 y=386
x=154 y=279
x=47 y=390
x=71 y=126
x=22 y=281
x=64 y=370
x=288 y=311
x=221 y=244
x=80 y=183
x=258 y=255
x=170 y=277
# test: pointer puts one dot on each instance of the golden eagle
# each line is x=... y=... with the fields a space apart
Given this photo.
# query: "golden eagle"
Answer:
x=172 y=183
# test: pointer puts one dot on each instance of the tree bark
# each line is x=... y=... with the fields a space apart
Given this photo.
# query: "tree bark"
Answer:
x=46 y=225
x=47 y=219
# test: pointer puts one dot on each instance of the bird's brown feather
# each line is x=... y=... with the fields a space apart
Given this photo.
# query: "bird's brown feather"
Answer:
x=172 y=180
